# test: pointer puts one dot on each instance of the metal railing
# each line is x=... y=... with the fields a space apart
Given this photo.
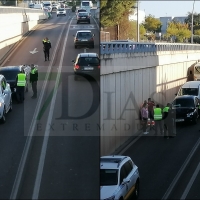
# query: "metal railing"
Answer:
x=134 y=47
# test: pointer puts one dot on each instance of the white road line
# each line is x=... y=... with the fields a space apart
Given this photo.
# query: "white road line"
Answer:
x=47 y=130
x=191 y=182
x=21 y=167
x=96 y=22
x=169 y=190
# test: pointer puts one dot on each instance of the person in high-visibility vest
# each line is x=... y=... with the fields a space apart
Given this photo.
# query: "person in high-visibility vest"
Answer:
x=33 y=80
x=20 y=83
x=158 y=119
x=165 y=118
x=46 y=48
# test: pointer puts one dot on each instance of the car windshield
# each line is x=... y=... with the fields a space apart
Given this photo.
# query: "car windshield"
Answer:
x=61 y=9
x=84 y=35
x=47 y=4
x=9 y=75
x=82 y=10
x=108 y=177
x=183 y=103
x=88 y=60
x=189 y=91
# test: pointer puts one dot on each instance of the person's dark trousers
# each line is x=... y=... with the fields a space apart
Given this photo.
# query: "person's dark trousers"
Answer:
x=46 y=55
x=165 y=129
x=144 y=124
x=20 y=93
x=158 y=124
x=34 y=88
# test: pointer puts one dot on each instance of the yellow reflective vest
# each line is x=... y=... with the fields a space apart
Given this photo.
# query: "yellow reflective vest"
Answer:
x=21 y=81
x=157 y=114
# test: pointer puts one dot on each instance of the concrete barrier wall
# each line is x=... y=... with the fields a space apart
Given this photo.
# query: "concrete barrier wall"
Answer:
x=129 y=79
x=14 y=23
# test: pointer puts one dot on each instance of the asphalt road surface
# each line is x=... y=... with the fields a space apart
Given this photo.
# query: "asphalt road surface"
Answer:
x=49 y=146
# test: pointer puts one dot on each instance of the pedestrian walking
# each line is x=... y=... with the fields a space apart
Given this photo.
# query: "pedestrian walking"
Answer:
x=47 y=46
x=158 y=119
x=166 y=120
x=33 y=80
x=144 y=114
x=20 y=83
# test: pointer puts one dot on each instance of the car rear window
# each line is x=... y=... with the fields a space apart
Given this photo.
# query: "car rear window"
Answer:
x=82 y=14
x=84 y=34
x=88 y=60
x=82 y=10
x=189 y=91
x=108 y=177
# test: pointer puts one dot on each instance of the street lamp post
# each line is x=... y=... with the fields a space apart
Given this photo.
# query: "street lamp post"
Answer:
x=138 y=27
x=192 y=26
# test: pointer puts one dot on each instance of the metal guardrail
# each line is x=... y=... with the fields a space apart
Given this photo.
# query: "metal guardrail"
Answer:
x=134 y=47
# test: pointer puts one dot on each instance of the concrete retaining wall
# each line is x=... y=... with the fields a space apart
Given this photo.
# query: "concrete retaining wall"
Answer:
x=14 y=23
x=129 y=79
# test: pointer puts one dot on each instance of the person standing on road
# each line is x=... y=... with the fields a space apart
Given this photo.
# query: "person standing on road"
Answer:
x=158 y=119
x=47 y=46
x=166 y=120
x=33 y=80
x=144 y=115
x=171 y=122
x=20 y=83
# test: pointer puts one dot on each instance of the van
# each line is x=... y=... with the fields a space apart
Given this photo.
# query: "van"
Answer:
x=86 y=5
x=38 y=6
x=191 y=88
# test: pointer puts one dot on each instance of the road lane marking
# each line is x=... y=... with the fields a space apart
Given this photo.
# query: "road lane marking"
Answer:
x=96 y=22
x=171 y=187
x=18 y=178
x=191 y=182
x=47 y=130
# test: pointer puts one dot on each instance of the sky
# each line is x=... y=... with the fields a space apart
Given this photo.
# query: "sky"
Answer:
x=168 y=8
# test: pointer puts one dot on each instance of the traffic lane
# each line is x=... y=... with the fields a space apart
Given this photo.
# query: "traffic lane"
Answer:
x=20 y=125
x=159 y=159
x=188 y=184
x=74 y=174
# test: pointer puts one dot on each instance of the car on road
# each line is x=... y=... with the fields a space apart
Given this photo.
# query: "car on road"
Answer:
x=80 y=10
x=55 y=6
x=5 y=98
x=10 y=73
x=61 y=11
x=87 y=64
x=119 y=178
x=84 y=38
x=83 y=17
x=186 y=108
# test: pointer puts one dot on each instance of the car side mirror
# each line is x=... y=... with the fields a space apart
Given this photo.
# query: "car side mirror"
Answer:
x=125 y=181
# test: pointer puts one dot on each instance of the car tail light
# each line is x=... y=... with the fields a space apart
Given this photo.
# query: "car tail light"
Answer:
x=92 y=39
x=99 y=67
x=77 y=67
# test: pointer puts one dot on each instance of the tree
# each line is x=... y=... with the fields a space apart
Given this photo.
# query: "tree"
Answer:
x=111 y=11
x=178 y=30
x=197 y=32
x=152 y=24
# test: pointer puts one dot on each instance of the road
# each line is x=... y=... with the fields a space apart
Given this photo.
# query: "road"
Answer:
x=169 y=168
x=49 y=146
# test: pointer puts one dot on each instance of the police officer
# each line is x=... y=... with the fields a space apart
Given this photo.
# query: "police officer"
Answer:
x=158 y=119
x=166 y=120
x=33 y=80
x=21 y=83
x=47 y=46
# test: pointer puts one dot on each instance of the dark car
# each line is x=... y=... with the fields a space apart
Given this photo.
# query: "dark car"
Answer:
x=83 y=17
x=186 y=108
x=10 y=73
x=84 y=38
x=87 y=63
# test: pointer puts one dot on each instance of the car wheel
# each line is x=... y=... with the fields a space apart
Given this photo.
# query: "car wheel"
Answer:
x=136 y=192
x=10 y=110
x=3 y=119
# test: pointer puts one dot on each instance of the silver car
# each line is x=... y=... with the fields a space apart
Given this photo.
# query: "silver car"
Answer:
x=5 y=98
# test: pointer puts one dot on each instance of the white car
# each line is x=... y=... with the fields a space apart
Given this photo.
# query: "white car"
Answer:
x=55 y=6
x=5 y=98
x=119 y=178
x=61 y=11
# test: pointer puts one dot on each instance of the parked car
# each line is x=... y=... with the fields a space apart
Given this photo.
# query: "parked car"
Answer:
x=61 y=11
x=5 y=98
x=10 y=73
x=83 y=17
x=119 y=178
x=84 y=38
x=87 y=64
x=186 y=108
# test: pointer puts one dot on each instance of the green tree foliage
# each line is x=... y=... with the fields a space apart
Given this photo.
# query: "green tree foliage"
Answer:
x=197 y=32
x=152 y=24
x=178 y=30
x=111 y=11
